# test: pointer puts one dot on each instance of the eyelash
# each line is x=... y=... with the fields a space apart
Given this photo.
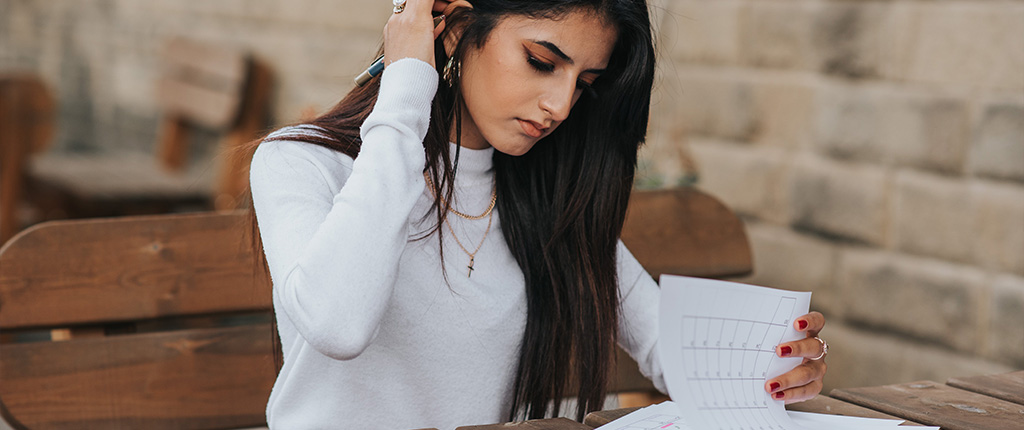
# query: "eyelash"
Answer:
x=543 y=67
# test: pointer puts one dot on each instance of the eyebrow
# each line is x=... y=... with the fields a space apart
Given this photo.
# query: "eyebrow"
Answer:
x=555 y=50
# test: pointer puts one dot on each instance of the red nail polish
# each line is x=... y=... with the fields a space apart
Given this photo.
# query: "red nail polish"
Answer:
x=779 y=395
x=785 y=351
x=802 y=324
x=774 y=386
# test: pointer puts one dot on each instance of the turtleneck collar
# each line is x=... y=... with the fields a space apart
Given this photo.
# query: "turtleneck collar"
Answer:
x=475 y=165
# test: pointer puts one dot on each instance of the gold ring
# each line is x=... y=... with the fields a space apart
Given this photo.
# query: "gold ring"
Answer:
x=824 y=348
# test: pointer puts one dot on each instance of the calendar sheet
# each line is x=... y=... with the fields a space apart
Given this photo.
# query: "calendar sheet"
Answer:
x=718 y=348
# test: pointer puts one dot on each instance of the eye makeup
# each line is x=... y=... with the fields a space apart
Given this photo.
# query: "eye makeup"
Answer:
x=544 y=67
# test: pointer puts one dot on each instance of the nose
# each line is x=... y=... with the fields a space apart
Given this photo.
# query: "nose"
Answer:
x=558 y=99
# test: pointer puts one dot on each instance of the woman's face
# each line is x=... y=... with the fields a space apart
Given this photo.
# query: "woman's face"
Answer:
x=528 y=75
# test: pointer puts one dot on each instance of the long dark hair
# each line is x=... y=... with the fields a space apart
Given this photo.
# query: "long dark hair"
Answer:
x=561 y=205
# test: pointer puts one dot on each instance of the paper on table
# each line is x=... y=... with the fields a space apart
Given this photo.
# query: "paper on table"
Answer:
x=717 y=346
x=840 y=422
x=666 y=416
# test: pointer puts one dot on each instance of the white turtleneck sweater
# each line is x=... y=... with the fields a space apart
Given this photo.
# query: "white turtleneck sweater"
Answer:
x=373 y=336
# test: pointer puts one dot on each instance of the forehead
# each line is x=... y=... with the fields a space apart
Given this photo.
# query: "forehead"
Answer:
x=586 y=37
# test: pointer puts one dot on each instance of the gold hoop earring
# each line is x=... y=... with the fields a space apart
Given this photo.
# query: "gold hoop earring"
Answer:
x=450 y=71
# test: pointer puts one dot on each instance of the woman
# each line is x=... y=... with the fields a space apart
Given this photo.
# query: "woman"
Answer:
x=444 y=243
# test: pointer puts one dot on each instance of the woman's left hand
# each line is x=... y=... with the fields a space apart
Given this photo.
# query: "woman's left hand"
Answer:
x=805 y=381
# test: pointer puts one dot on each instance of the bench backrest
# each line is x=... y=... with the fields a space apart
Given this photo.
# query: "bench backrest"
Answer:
x=110 y=281
x=144 y=300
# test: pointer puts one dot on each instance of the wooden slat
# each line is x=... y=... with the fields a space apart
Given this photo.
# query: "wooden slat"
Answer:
x=205 y=378
x=1006 y=386
x=119 y=177
x=221 y=62
x=931 y=403
x=827 y=405
x=600 y=418
x=548 y=424
x=93 y=271
x=203 y=82
x=686 y=232
x=215 y=109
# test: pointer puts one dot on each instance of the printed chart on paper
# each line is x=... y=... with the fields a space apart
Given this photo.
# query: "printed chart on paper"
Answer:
x=718 y=349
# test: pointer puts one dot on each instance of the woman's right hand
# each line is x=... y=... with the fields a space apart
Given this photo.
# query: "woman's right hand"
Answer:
x=411 y=33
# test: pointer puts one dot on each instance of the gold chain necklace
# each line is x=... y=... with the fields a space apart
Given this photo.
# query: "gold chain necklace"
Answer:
x=489 y=213
x=494 y=199
x=472 y=255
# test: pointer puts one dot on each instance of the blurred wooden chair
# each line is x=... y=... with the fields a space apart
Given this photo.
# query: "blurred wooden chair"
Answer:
x=202 y=87
x=681 y=231
x=26 y=128
x=156 y=322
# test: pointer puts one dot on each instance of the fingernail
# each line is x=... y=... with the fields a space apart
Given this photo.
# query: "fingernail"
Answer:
x=779 y=395
x=774 y=386
x=802 y=324
x=785 y=351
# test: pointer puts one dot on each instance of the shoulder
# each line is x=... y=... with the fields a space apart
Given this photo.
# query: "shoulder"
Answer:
x=289 y=157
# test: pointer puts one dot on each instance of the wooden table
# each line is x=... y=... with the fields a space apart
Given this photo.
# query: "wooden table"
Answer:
x=989 y=402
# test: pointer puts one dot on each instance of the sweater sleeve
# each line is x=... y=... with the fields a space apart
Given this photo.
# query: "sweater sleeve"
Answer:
x=333 y=243
x=638 y=327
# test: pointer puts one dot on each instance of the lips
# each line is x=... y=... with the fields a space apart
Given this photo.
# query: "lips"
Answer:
x=531 y=128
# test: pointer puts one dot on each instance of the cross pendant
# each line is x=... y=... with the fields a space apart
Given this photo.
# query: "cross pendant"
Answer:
x=470 y=273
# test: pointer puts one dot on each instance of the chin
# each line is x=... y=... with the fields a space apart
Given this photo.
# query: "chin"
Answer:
x=514 y=149
x=516 y=144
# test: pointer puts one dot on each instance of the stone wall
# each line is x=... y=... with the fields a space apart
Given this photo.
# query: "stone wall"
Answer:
x=875 y=148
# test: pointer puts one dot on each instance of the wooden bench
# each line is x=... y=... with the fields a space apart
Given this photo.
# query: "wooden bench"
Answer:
x=202 y=87
x=128 y=313
x=158 y=322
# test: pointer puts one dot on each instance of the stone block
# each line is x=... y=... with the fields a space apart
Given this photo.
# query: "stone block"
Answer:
x=930 y=300
x=839 y=199
x=847 y=38
x=784 y=112
x=862 y=357
x=969 y=44
x=748 y=179
x=779 y=35
x=998 y=148
x=890 y=126
x=927 y=132
x=698 y=31
x=932 y=216
x=848 y=123
x=714 y=107
x=998 y=226
x=1006 y=321
x=789 y=260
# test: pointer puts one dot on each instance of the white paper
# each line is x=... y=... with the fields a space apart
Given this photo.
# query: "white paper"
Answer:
x=717 y=348
x=840 y=422
x=667 y=416
x=664 y=415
